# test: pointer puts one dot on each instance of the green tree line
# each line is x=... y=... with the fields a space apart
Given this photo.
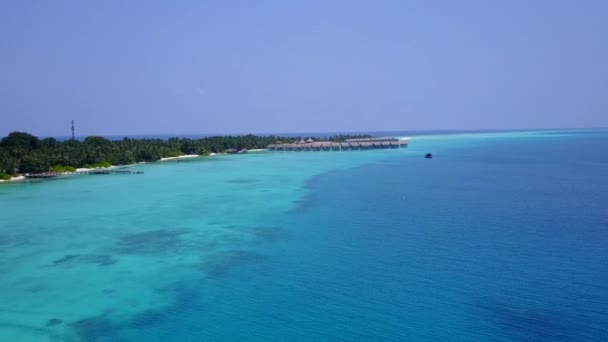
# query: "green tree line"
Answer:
x=22 y=152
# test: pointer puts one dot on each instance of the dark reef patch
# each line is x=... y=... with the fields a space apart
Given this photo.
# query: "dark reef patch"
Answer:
x=96 y=329
x=313 y=183
x=53 y=322
x=310 y=196
x=241 y=181
x=530 y=324
x=186 y=302
x=219 y=265
x=304 y=204
x=186 y=296
x=66 y=258
x=101 y=260
x=268 y=234
x=149 y=318
x=70 y=260
x=13 y=240
x=184 y=293
x=150 y=242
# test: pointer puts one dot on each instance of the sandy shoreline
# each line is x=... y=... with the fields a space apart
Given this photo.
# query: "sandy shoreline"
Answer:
x=180 y=157
x=82 y=170
x=13 y=179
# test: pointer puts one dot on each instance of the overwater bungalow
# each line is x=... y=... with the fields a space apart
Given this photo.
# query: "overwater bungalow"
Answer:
x=350 y=144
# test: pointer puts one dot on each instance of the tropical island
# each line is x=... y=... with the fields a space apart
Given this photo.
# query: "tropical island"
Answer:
x=22 y=153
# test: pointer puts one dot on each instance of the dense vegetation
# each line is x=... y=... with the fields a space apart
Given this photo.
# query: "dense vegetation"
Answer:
x=22 y=152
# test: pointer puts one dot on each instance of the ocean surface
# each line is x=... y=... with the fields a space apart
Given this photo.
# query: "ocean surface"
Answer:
x=499 y=237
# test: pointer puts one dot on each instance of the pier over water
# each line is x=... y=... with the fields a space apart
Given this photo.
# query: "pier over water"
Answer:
x=349 y=144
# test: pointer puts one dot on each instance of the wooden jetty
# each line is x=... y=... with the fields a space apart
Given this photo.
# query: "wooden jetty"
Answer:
x=110 y=172
x=349 y=144
x=44 y=175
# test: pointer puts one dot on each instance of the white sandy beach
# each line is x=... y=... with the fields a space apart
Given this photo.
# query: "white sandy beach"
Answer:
x=180 y=157
x=13 y=179
x=84 y=169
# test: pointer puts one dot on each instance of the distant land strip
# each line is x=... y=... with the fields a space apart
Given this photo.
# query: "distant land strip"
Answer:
x=23 y=153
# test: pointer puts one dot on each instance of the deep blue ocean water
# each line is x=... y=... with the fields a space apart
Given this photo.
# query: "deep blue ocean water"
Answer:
x=499 y=237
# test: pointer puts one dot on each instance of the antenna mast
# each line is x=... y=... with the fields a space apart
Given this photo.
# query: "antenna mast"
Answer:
x=72 y=129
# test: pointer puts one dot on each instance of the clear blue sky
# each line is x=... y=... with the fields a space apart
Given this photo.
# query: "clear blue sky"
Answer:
x=179 y=67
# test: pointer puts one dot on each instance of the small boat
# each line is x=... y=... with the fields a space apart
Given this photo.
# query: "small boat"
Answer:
x=428 y=156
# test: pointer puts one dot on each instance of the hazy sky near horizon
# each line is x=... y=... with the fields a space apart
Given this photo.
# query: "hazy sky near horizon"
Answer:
x=183 y=67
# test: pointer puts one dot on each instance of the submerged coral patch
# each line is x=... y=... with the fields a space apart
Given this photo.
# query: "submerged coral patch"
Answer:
x=95 y=329
x=530 y=324
x=78 y=259
x=268 y=234
x=13 y=240
x=220 y=264
x=66 y=258
x=53 y=322
x=186 y=301
x=303 y=204
x=148 y=318
x=241 y=181
x=150 y=242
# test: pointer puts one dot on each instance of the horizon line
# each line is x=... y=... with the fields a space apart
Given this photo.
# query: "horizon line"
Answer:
x=464 y=130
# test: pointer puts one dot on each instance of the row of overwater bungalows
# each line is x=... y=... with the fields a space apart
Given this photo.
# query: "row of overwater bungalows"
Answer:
x=350 y=144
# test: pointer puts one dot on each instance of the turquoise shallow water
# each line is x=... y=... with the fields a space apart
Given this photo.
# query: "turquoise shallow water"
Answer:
x=500 y=237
